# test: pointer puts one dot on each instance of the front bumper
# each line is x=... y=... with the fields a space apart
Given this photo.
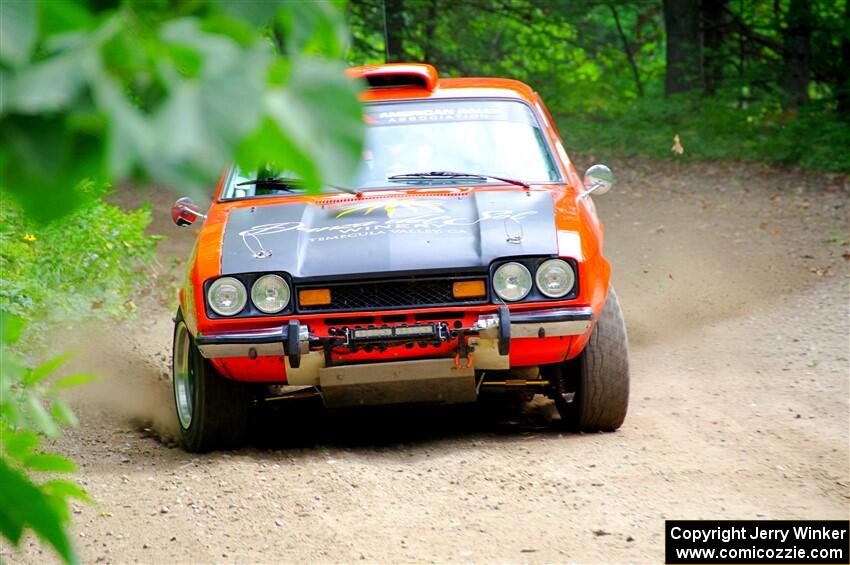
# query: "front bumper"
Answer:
x=329 y=364
x=295 y=341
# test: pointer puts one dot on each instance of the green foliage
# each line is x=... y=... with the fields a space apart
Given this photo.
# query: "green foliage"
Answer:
x=569 y=51
x=170 y=92
x=31 y=407
x=163 y=91
x=580 y=60
x=712 y=129
x=87 y=264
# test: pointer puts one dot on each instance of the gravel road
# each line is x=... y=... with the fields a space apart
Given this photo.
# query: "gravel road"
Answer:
x=734 y=284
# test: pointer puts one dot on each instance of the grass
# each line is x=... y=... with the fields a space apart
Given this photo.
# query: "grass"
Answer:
x=87 y=264
x=714 y=129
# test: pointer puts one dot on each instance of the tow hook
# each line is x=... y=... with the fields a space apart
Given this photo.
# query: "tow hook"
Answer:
x=463 y=352
x=459 y=365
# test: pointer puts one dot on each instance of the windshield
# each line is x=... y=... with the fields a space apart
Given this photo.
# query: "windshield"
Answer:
x=499 y=138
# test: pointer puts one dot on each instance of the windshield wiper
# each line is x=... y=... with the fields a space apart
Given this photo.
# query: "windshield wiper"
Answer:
x=436 y=175
x=288 y=184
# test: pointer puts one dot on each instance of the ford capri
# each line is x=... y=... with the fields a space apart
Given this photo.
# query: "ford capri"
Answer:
x=465 y=259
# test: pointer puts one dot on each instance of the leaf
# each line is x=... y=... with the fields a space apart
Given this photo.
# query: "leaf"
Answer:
x=186 y=154
x=45 y=155
x=255 y=13
x=187 y=60
x=46 y=368
x=18 y=29
x=270 y=145
x=63 y=414
x=50 y=85
x=198 y=125
x=62 y=17
x=314 y=28
x=19 y=444
x=319 y=110
x=130 y=139
x=72 y=381
x=40 y=418
x=23 y=504
x=243 y=79
x=60 y=487
x=5 y=77
x=48 y=462
x=11 y=327
x=11 y=415
x=214 y=49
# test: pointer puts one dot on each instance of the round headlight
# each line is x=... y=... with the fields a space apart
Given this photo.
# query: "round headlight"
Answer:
x=227 y=296
x=512 y=281
x=555 y=278
x=270 y=294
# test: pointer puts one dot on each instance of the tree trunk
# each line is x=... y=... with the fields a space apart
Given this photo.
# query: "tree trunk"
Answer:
x=796 y=53
x=630 y=56
x=713 y=15
x=393 y=28
x=684 y=45
x=430 y=27
x=843 y=80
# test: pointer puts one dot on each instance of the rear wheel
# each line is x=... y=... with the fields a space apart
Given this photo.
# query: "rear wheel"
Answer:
x=212 y=410
x=599 y=376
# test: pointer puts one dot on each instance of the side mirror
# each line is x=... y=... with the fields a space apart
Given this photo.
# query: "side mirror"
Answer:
x=185 y=212
x=598 y=179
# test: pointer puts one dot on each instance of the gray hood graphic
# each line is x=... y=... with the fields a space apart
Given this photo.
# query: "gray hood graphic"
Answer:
x=391 y=235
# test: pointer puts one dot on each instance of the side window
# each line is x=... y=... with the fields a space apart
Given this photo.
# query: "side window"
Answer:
x=572 y=175
x=545 y=111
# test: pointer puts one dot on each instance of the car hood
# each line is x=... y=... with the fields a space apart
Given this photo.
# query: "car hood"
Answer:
x=389 y=235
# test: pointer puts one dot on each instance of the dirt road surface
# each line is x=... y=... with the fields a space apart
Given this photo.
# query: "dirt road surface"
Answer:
x=734 y=282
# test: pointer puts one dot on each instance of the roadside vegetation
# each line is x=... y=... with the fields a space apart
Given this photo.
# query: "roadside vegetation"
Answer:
x=94 y=95
x=714 y=129
x=88 y=264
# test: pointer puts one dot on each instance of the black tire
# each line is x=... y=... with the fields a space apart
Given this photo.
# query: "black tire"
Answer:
x=218 y=407
x=601 y=375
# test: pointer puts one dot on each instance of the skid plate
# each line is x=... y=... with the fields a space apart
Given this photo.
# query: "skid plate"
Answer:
x=421 y=381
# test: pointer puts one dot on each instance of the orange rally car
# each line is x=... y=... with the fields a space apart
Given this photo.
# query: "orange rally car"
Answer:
x=466 y=259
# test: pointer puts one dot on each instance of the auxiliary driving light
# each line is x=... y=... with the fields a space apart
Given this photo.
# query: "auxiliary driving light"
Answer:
x=414 y=331
x=372 y=333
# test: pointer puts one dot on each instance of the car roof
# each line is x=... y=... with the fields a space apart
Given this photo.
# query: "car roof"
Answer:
x=407 y=81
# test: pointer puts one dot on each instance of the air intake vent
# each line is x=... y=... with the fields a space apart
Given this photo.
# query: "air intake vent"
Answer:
x=397 y=75
x=396 y=80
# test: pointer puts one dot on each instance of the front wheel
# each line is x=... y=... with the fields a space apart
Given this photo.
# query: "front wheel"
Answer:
x=600 y=375
x=212 y=410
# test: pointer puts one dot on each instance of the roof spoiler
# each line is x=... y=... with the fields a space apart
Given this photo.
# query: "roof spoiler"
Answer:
x=397 y=75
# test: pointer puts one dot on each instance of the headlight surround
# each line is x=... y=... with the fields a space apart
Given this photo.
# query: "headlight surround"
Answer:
x=227 y=296
x=270 y=294
x=512 y=281
x=555 y=278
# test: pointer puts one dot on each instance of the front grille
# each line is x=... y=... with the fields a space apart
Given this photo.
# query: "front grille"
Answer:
x=379 y=295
